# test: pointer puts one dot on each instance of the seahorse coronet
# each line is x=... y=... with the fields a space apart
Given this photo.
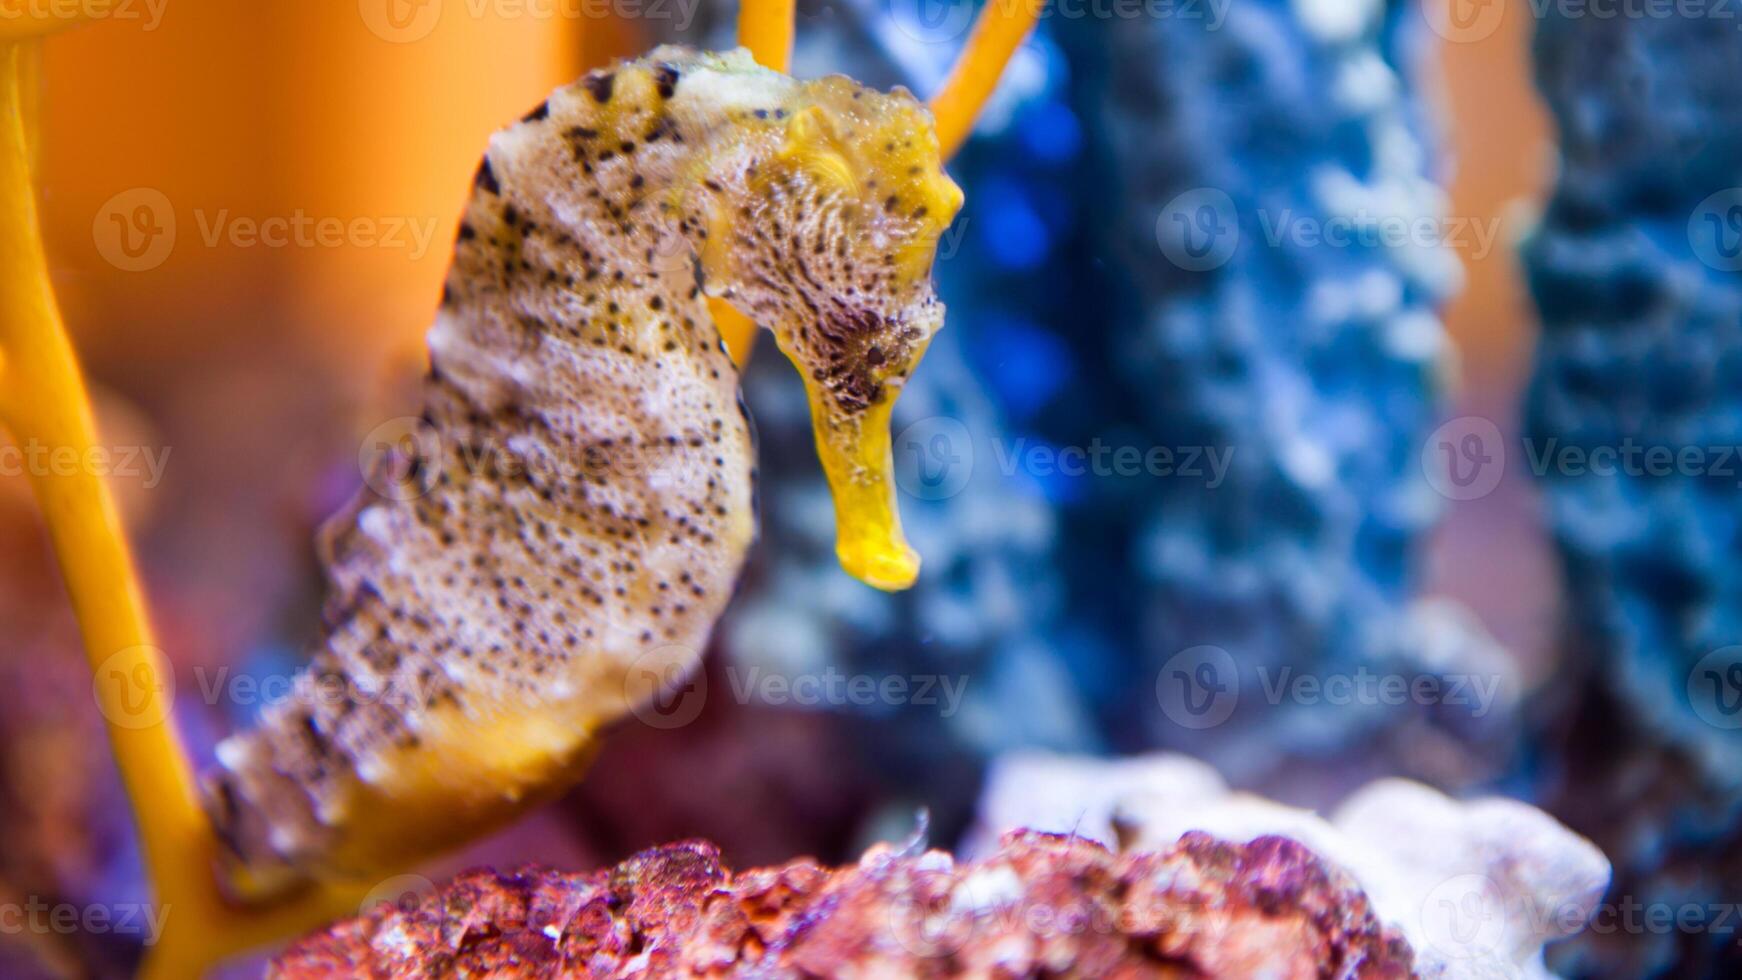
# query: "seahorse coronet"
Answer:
x=554 y=546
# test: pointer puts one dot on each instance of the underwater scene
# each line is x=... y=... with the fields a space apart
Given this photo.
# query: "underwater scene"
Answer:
x=871 y=489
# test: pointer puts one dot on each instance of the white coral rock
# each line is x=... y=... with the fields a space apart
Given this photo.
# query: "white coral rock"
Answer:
x=1478 y=887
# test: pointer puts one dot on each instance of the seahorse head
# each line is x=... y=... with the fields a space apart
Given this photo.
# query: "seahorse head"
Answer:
x=838 y=221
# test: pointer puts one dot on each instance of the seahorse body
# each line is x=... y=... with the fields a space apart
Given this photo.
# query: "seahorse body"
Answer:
x=582 y=500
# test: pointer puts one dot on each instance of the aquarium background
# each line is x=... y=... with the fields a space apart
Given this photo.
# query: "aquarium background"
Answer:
x=1282 y=339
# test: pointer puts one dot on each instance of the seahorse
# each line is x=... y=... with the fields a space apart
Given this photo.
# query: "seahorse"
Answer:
x=577 y=499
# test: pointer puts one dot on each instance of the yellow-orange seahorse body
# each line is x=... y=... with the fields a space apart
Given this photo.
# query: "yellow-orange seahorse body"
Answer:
x=581 y=500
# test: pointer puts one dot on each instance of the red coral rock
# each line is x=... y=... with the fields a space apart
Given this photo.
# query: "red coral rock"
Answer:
x=1043 y=905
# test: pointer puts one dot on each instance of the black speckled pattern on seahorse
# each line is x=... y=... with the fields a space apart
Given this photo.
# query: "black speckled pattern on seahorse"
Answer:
x=576 y=503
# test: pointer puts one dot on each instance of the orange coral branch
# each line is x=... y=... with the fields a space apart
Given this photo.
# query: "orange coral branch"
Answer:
x=43 y=399
x=736 y=329
x=998 y=32
x=766 y=28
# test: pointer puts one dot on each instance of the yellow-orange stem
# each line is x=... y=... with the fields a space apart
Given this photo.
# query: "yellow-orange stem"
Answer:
x=736 y=329
x=998 y=32
x=766 y=28
x=43 y=400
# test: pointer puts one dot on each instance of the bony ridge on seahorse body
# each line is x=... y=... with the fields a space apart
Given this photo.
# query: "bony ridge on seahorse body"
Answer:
x=581 y=502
